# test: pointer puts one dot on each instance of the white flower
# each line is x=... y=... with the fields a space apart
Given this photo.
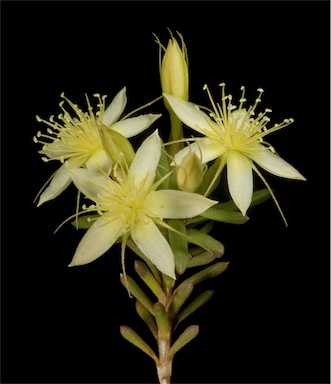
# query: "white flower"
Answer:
x=237 y=137
x=76 y=141
x=132 y=206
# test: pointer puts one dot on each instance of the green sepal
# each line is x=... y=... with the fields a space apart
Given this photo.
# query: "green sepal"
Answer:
x=202 y=258
x=209 y=272
x=178 y=244
x=199 y=238
x=163 y=169
x=146 y=275
x=162 y=321
x=130 y=335
x=146 y=316
x=137 y=292
x=85 y=221
x=198 y=302
x=181 y=294
x=188 y=335
x=117 y=147
x=208 y=178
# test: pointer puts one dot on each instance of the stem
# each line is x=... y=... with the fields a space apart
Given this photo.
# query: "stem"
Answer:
x=176 y=133
x=164 y=366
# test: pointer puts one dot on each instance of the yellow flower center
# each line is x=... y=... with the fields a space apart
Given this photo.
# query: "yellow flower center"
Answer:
x=72 y=137
x=125 y=201
x=239 y=129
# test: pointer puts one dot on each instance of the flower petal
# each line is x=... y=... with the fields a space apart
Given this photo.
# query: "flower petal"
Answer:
x=207 y=149
x=153 y=245
x=115 y=108
x=59 y=183
x=134 y=125
x=93 y=184
x=188 y=113
x=144 y=164
x=240 y=180
x=173 y=204
x=277 y=166
x=97 y=240
x=99 y=162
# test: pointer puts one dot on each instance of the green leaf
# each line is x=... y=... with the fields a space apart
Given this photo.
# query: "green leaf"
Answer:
x=148 y=278
x=130 y=335
x=217 y=213
x=209 y=272
x=146 y=316
x=188 y=335
x=202 y=258
x=137 y=292
x=195 y=304
x=178 y=244
x=181 y=294
x=208 y=243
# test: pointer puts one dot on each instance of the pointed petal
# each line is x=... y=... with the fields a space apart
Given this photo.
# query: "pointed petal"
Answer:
x=240 y=180
x=153 y=245
x=59 y=183
x=144 y=164
x=134 y=125
x=115 y=108
x=277 y=166
x=97 y=240
x=93 y=184
x=188 y=113
x=99 y=162
x=207 y=149
x=172 y=204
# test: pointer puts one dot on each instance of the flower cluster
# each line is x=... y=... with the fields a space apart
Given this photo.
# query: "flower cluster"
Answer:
x=162 y=198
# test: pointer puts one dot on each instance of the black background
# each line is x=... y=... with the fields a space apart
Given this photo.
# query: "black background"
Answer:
x=269 y=318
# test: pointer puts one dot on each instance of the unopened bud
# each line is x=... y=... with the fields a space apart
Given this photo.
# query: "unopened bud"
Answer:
x=174 y=70
x=189 y=173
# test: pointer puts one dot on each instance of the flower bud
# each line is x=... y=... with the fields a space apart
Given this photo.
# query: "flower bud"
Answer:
x=189 y=173
x=174 y=70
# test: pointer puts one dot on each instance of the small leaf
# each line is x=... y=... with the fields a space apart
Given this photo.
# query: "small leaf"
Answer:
x=137 y=292
x=148 y=278
x=202 y=258
x=216 y=213
x=188 y=335
x=208 y=242
x=146 y=316
x=130 y=335
x=195 y=304
x=209 y=272
x=181 y=294
x=179 y=245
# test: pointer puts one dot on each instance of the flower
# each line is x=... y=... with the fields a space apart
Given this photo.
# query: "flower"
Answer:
x=235 y=135
x=77 y=141
x=189 y=173
x=131 y=205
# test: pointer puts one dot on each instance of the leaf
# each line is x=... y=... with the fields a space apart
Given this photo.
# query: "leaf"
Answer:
x=130 y=335
x=188 y=335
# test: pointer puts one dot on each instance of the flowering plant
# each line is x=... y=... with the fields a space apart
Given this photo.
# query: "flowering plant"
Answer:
x=162 y=198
